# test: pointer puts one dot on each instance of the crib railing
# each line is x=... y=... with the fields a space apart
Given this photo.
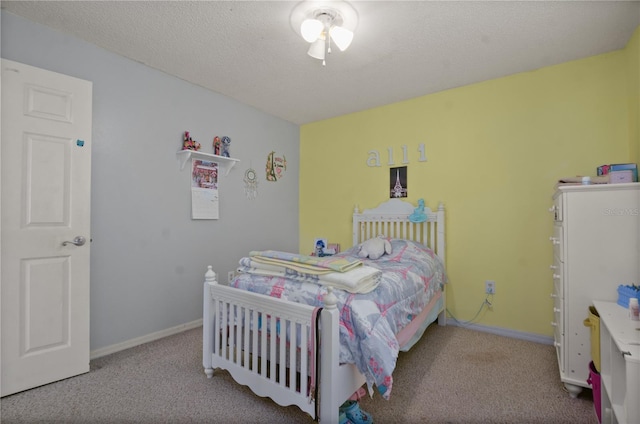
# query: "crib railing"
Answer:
x=264 y=345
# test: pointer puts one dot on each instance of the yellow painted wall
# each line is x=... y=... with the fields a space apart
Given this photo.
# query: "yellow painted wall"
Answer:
x=495 y=150
x=632 y=52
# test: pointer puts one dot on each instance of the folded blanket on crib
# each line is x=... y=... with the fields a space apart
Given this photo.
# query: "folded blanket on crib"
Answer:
x=361 y=279
x=305 y=263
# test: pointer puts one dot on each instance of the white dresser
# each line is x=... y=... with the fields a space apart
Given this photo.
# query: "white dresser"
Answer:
x=595 y=248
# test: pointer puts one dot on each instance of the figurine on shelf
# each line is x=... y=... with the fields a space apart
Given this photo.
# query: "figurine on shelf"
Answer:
x=226 y=145
x=188 y=143
x=216 y=145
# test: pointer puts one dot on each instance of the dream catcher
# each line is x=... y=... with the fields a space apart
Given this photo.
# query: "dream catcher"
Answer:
x=250 y=184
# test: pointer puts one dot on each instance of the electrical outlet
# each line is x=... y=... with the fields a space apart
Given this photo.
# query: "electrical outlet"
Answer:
x=230 y=276
x=490 y=287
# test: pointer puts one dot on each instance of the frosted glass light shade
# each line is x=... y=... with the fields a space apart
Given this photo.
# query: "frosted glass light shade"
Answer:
x=311 y=29
x=342 y=37
x=317 y=49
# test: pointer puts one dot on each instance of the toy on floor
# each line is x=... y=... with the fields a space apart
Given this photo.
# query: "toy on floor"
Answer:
x=350 y=412
x=374 y=248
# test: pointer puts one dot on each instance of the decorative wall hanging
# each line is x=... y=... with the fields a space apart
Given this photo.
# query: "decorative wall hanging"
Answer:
x=250 y=184
x=204 y=190
x=275 y=166
x=374 y=156
x=398 y=182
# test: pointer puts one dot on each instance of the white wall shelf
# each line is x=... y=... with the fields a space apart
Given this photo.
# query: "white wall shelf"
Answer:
x=223 y=162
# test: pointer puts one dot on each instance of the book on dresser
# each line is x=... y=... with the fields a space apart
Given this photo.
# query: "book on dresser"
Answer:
x=596 y=233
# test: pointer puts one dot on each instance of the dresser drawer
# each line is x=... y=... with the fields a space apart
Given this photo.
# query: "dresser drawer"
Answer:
x=558 y=342
x=557 y=241
x=556 y=209
x=558 y=322
x=556 y=275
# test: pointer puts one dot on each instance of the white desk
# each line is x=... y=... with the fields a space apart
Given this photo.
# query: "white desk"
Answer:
x=619 y=364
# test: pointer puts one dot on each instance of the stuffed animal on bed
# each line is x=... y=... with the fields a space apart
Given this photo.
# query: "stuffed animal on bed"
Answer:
x=375 y=247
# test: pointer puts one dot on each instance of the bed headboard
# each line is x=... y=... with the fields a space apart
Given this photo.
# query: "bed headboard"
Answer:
x=391 y=218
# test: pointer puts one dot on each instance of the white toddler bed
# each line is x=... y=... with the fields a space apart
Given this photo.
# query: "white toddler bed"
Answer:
x=275 y=346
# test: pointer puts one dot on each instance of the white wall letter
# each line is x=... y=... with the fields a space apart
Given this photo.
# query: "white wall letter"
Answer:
x=374 y=158
x=423 y=158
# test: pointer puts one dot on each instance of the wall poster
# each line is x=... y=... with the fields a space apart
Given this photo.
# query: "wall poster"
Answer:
x=276 y=165
x=204 y=189
x=398 y=182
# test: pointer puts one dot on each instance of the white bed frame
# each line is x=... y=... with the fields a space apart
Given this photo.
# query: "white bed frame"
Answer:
x=289 y=385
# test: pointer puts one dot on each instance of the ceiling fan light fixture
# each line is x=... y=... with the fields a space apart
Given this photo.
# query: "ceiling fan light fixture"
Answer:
x=317 y=49
x=320 y=22
x=311 y=30
x=342 y=37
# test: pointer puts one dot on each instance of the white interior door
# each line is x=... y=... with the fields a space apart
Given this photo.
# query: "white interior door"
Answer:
x=46 y=183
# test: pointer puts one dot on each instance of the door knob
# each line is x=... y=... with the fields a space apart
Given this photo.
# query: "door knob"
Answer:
x=78 y=241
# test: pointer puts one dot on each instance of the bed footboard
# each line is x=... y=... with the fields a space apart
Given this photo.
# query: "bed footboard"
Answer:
x=266 y=344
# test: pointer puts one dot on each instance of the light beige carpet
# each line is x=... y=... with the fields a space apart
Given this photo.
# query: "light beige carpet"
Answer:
x=453 y=375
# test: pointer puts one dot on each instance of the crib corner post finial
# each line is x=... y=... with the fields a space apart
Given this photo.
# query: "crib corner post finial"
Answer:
x=210 y=276
x=440 y=206
x=356 y=210
x=330 y=299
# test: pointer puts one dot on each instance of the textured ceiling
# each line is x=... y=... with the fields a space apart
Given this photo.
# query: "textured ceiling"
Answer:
x=248 y=51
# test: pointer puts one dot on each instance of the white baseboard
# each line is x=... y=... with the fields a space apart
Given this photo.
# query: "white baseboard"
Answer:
x=537 y=338
x=103 y=351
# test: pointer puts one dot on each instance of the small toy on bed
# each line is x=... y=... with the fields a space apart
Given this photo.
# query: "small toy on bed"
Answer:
x=374 y=248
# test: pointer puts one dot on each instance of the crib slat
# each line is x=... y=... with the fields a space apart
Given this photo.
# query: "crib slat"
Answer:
x=232 y=332
x=263 y=347
x=216 y=339
x=293 y=343
x=272 y=349
x=254 y=341
x=238 y=327
x=246 y=345
x=225 y=328
x=304 y=350
x=432 y=239
x=283 y=351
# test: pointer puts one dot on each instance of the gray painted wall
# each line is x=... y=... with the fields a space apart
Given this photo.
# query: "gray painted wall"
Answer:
x=148 y=258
